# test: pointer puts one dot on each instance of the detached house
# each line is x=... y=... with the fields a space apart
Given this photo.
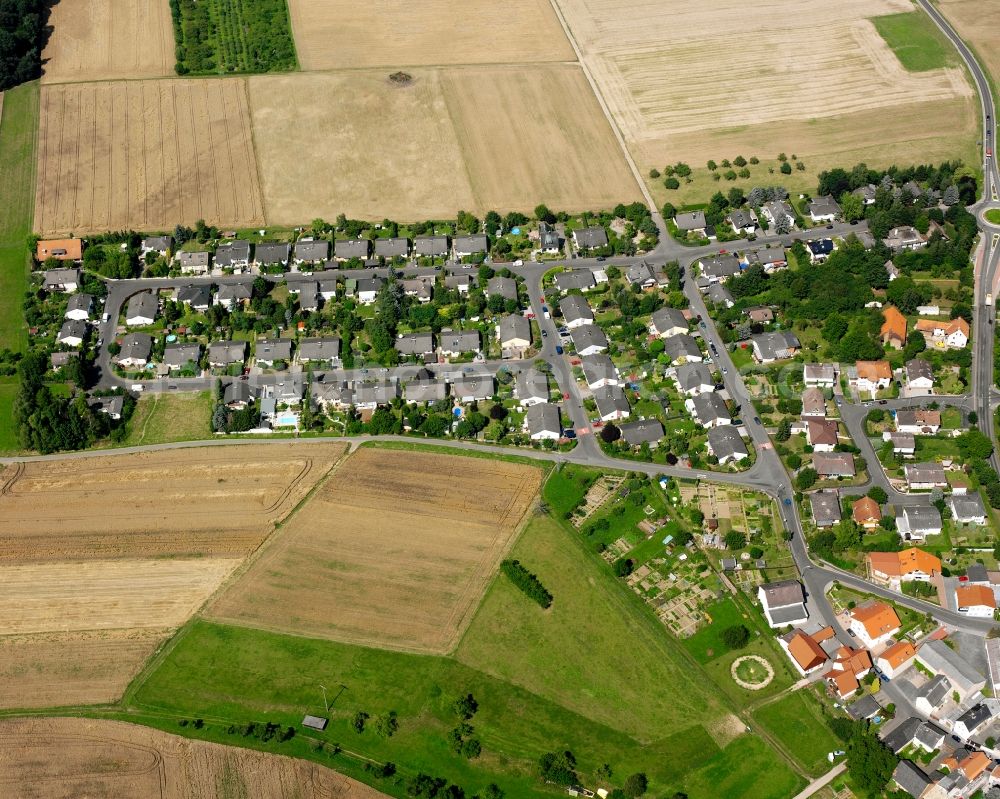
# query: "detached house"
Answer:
x=141 y=309
x=953 y=334
x=642 y=431
x=719 y=268
x=872 y=376
x=589 y=340
x=514 y=333
x=894 y=568
x=505 y=287
x=743 y=220
x=893 y=328
x=198 y=298
x=230 y=295
x=834 y=464
x=233 y=255
x=925 y=476
x=918 y=422
x=896 y=659
x=903 y=238
x=693 y=379
x=350 y=249
x=819 y=375
x=311 y=251
x=159 y=244
x=967 y=509
x=472 y=388
x=548 y=239
x=222 y=354
x=273 y=350
x=136 y=348
x=576 y=312
x=825 y=508
x=415 y=344
x=72 y=333
x=467 y=246
x=975 y=600
x=581 y=279
x=543 y=423
x=813 y=404
x=709 y=410
x=65 y=281
x=180 y=355
x=60 y=249
x=823 y=209
x=531 y=387
x=804 y=650
x=387 y=249
x=272 y=254
x=599 y=371
x=866 y=513
x=919 y=378
x=590 y=238
x=691 y=222
x=667 y=322
x=777 y=212
x=822 y=434
x=612 y=403
x=319 y=350
x=784 y=603
x=770 y=347
x=874 y=623
x=682 y=349
x=455 y=342
x=725 y=443
x=193 y=263
x=915 y=523
x=79 y=307
x=819 y=250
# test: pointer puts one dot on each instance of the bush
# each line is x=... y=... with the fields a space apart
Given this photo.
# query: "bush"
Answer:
x=735 y=540
x=623 y=567
x=672 y=183
x=527 y=582
x=736 y=637
x=635 y=785
x=558 y=767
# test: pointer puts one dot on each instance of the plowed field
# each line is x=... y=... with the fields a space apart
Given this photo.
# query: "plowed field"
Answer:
x=57 y=758
x=394 y=550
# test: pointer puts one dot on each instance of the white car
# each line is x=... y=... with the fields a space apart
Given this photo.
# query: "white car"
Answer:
x=519 y=262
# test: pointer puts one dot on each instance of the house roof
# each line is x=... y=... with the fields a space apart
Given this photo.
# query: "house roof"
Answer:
x=902 y=735
x=357 y=248
x=975 y=764
x=710 y=407
x=610 y=400
x=319 y=348
x=589 y=336
x=543 y=418
x=63 y=249
x=136 y=346
x=822 y=432
x=690 y=220
x=459 y=340
x=975 y=716
x=877 y=618
x=227 y=351
x=782 y=593
x=910 y=778
x=505 y=287
x=430 y=245
x=414 y=343
x=772 y=345
x=966 y=506
x=195 y=295
x=531 y=383
x=73 y=328
x=946 y=328
x=924 y=473
x=917 y=368
x=820 y=246
x=874 y=370
x=941 y=658
x=160 y=243
x=819 y=371
x=425 y=390
x=664 y=319
x=514 y=327
x=693 y=375
x=822 y=206
x=863 y=708
x=934 y=690
x=470 y=244
x=894 y=325
x=865 y=509
x=272 y=253
x=726 y=442
x=312 y=250
x=975 y=596
x=590 y=237
x=681 y=346
x=720 y=266
x=641 y=431
x=274 y=349
x=918 y=418
x=805 y=651
x=598 y=366
x=234 y=291
x=80 y=302
x=390 y=248
x=898 y=654
x=60 y=277
x=574 y=279
x=825 y=507
x=833 y=464
x=478 y=386
x=232 y=251
x=575 y=308
x=180 y=353
x=906 y=562
x=144 y=304
x=720 y=295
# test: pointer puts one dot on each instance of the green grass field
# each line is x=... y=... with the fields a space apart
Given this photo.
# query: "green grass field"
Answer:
x=915 y=40
x=170 y=416
x=18 y=129
x=993 y=216
x=567 y=487
x=797 y=722
x=8 y=438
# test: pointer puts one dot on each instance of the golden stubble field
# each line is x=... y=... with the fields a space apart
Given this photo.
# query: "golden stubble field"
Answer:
x=60 y=758
x=719 y=79
x=394 y=550
x=145 y=155
x=105 y=39
x=978 y=22
x=102 y=558
x=473 y=138
x=341 y=34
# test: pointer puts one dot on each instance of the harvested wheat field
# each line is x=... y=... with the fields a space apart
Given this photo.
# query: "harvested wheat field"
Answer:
x=105 y=39
x=207 y=501
x=64 y=669
x=978 y=23
x=145 y=155
x=340 y=34
x=677 y=80
x=471 y=138
x=394 y=550
x=65 y=757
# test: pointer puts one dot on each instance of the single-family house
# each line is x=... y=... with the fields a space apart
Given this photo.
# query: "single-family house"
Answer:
x=569 y=279
x=420 y=288
x=111 y=405
x=925 y=476
x=743 y=220
x=717 y=294
x=327 y=288
x=778 y=212
x=709 y=410
x=350 y=249
x=775 y=346
x=972 y=720
x=976 y=600
x=472 y=388
x=59 y=249
x=819 y=250
x=612 y=404
x=531 y=387
x=193 y=263
x=320 y=349
x=230 y=295
x=415 y=344
x=666 y=322
x=772 y=258
x=642 y=431
x=691 y=222
x=903 y=444
x=847 y=669
x=499 y=286
x=466 y=246
x=919 y=378
x=804 y=651
x=916 y=522
x=159 y=244
x=234 y=255
x=388 y=249
x=197 y=298
x=270 y=351
x=933 y=693
x=460 y=282
x=866 y=193
x=135 y=351
x=141 y=309
x=599 y=371
x=834 y=464
x=874 y=623
x=514 y=333
x=866 y=513
x=430 y=246
x=222 y=354
x=910 y=779
x=719 y=268
x=693 y=379
x=872 y=376
x=822 y=434
x=425 y=390
x=825 y=508
x=271 y=254
x=590 y=238
x=64 y=281
x=369 y=395
x=682 y=349
x=967 y=509
x=952 y=334
x=640 y=274
x=238 y=394
x=453 y=343
x=72 y=333
x=367 y=289
x=784 y=603
x=549 y=241
x=918 y=421
x=180 y=355
x=576 y=311
x=58 y=360
x=905 y=237
x=79 y=307
x=542 y=422
x=819 y=375
x=896 y=658
x=725 y=443
x=589 y=340
x=894 y=568
x=893 y=330
x=813 y=404
x=311 y=251
x=823 y=209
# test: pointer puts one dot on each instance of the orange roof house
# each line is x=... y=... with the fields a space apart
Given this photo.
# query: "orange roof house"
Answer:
x=874 y=621
x=866 y=513
x=804 y=651
x=60 y=249
x=850 y=665
x=910 y=563
x=894 y=327
x=975 y=596
x=874 y=371
x=974 y=765
x=896 y=657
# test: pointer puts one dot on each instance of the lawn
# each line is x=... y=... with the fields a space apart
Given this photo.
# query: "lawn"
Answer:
x=567 y=487
x=748 y=767
x=993 y=216
x=8 y=437
x=797 y=722
x=706 y=644
x=915 y=40
x=170 y=416
x=18 y=129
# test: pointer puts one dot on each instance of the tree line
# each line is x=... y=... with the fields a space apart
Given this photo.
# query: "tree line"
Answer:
x=527 y=582
x=22 y=38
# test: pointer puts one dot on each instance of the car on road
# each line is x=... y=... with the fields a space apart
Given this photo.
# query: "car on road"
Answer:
x=725 y=371
x=601 y=258
x=787 y=502
x=569 y=432
x=559 y=349
x=756 y=420
x=518 y=262
x=883 y=402
x=545 y=334
x=701 y=325
x=565 y=395
x=829 y=227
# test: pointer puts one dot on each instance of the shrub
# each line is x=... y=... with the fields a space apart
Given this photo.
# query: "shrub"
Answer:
x=527 y=582
x=736 y=637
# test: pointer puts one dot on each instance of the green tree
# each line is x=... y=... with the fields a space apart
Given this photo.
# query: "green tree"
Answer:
x=869 y=761
x=736 y=637
x=558 y=767
x=974 y=445
x=851 y=207
x=635 y=785
x=359 y=721
x=466 y=706
x=735 y=540
x=878 y=494
x=806 y=479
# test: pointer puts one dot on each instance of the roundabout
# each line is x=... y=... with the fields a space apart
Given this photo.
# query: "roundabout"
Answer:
x=751 y=672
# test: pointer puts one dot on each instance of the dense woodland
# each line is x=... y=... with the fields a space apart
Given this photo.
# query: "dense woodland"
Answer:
x=22 y=37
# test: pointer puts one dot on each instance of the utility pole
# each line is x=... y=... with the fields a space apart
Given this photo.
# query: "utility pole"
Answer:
x=325 y=703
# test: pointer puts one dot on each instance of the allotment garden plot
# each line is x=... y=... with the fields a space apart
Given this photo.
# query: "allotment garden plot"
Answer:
x=145 y=155
x=112 y=760
x=395 y=550
x=105 y=39
x=343 y=34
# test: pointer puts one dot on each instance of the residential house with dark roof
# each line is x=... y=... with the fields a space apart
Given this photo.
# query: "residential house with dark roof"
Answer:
x=159 y=244
x=819 y=250
x=599 y=371
x=514 y=333
x=570 y=279
x=820 y=375
x=79 y=307
x=823 y=209
x=230 y=295
x=612 y=404
x=226 y=353
x=642 y=431
x=783 y=602
x=925 y=476
x=549 y=241
x=905 y=237
x=415 y=344
x=397 y=247
x=455 y=342
x=466 y=246
x=776 y=346
x=825 y=508
x=135 y=351
x=233 y=255
x=471 y=388
x=193 y=263
x=691 y=222
x=916 y=522
x=576 y=311
x=270 y=351
x=542 y=422
x=531 y=387
x=967 y=509
x=425 y=391
x=505 y=287
x=142 y=308
x=719 y=268
x=311 y=251
x=919 y=378
x=640 y=274
x=717 y=294
x=726 y=444
x=430 y=246
x=589 y=340
x=320 y=349
x=682 y=349
x=271 y=254
x=666 y=322
x=72 y=333
x=743 y=220
x=180 y=354
x=709 y=410
x=348 y=249
x=693 y=378
x=198 y=298
x=834 y=464
x=590 y=238
x=778 y=212
x=64 y=281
